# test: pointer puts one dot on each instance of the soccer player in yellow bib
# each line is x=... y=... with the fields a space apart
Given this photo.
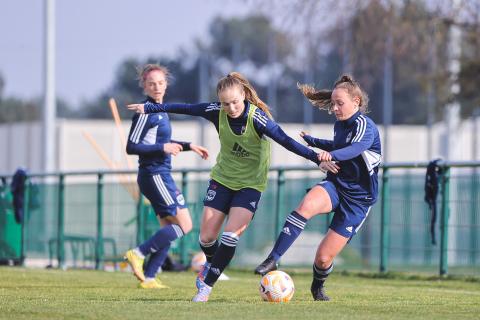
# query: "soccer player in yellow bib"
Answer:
x=243 y=122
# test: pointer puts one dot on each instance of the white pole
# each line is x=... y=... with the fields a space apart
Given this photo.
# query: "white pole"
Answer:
x=453 y=108
x=454 y=50
x=431 y=97
x=308 y=79
x=49 y=111
x=272 y=86
x=387 y=93
x=203 y=82
x=346 y=40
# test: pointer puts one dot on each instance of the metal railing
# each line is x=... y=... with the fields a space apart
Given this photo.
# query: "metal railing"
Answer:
x=280 y=195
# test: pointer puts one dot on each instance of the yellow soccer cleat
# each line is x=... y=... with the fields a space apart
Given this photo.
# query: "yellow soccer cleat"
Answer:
x=136 y=263
x=152 y=284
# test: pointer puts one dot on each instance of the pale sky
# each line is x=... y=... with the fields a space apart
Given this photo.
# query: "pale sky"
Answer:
x=94 y=36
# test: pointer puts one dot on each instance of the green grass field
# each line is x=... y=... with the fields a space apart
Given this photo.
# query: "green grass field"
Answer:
x=85 y=294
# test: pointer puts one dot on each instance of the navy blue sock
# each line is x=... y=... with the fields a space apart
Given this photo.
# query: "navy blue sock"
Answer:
x=320 y=275
x=292 y=228
x=208 y=249
x=161 y=239
x=223 y=256
x=155 y=262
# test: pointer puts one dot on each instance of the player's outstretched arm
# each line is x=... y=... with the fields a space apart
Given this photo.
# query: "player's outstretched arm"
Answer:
x=207 y=110
x=323 y=144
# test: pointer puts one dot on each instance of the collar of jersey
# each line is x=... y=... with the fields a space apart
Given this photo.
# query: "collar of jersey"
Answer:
x=352 y=119
x=149 y=99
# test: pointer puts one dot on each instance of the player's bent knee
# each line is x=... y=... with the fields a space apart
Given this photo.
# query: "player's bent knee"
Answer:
x=207 y=238
x=323 y=261
x=307 y=210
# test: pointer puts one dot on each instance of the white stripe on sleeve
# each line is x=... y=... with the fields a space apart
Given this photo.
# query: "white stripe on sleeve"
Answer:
x=362 y=126
x=135 y=138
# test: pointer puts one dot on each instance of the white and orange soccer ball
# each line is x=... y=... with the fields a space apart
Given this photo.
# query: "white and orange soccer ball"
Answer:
x=276 y=286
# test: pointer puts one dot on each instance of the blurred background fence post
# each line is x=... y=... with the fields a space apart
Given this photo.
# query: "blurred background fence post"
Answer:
x=61 y=221
x=183 y=248
x=26 y=215
x=445 y=212
x=99 y=243
x=279 y=201
x=140 y=219
x=385 y=221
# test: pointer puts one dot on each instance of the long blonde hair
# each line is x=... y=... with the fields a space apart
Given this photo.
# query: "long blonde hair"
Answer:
x=322 y=99
x=237 y=79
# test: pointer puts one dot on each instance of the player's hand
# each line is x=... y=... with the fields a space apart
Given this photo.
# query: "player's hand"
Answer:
x=302 y=135
x=172 y=148
x=201 y=151
x=137 y=107
x=329 y=166
x=324 y=156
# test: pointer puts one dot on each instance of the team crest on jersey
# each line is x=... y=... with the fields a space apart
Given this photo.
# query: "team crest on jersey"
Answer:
x=180 y=199
x=210 y=195
x=160 y=117
x=349 y=137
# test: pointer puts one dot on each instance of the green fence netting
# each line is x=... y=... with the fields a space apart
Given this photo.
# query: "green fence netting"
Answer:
x=89 y=220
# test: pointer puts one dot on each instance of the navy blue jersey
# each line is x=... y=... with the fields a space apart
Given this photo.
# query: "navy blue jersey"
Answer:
x=357 y=149
x=262 y=123
x=148 y=134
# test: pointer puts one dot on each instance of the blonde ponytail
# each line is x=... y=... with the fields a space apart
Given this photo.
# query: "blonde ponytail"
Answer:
x=322 y=99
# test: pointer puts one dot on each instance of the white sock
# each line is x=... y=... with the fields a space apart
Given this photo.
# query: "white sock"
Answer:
x=139 y=253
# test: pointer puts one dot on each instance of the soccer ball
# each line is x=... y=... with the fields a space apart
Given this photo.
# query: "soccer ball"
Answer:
x=276 y=286
x=198 y=260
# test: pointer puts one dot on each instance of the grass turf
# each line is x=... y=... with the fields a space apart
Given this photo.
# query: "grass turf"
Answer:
x=87 y=294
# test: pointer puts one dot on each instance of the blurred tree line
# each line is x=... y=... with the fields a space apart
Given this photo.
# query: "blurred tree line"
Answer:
x=312 y=41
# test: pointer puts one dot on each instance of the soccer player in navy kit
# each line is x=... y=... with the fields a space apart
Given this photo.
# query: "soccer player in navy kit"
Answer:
x=243 y=123
x=351 y=161
x=150 y=139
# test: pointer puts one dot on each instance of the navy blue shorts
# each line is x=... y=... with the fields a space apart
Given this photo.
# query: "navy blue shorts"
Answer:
x=163 y=194
x=223 y=198
x=348 y=215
